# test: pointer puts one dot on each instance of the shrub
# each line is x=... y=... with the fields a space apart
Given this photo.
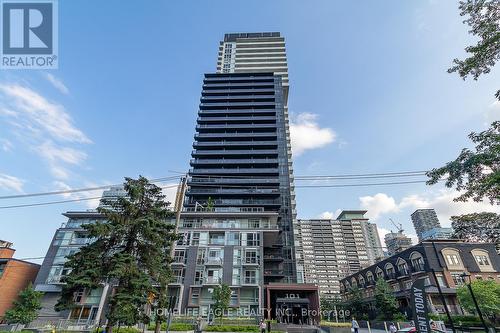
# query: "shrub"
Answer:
x=232 y=328
x=174 y=326
x=335 y=324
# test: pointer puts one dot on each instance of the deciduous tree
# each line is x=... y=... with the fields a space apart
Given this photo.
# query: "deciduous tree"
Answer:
x=25 y=308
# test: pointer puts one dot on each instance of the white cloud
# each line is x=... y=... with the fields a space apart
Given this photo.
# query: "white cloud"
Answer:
x=378 y=204
x=35 y=113
x=44 y=126
x=8 y=182
x=441 y=201
x=57 y=83
x=58 y=157
x=330 y=215
x=91 y=198
x=5 y=145
x=306 y=133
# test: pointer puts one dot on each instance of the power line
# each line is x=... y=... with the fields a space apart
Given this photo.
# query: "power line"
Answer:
x=86 y=189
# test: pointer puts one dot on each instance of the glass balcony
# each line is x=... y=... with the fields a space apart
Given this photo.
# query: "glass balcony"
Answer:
x=233 y=171
x=212 y=280
x=235 y=119
x=215 y=180
x=236 y=134
x=205 y=98
x=231 y=126
x=235 y=143
x=231 y=191
x=199 y=161
x=233 y=104
x=225 y=209
x=235 y=152
x=216 y=202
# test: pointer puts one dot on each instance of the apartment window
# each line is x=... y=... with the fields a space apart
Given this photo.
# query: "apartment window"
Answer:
x=236 y=276
x=233 y=238
x=78 y=296
x=253 y=224
x=196 y=239
x=253 y=239
x=200 y=257
x=251 y=257
x=441 y=280
x=179 y=256
x=235 y=297
x=458 y=279
x=184 y=240
x=452 y=259
x=198 y=276
x=195 y=296
x=2 y=268
x=251 y=277
x=482 y=260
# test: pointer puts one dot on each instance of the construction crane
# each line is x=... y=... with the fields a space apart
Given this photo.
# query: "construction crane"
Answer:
x=398 y=226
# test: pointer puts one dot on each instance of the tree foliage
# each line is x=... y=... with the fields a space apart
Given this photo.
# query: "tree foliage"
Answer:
x=483 y=18
x=355 y=303
x=477 y=227
x=385 y=301
x=25 y=307
x=221 y=297
x=477 y=172
x=487 y=294
x=131 y=251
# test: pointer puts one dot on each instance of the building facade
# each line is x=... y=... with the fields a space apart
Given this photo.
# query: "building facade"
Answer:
x=424 y=220
x=449 y=259
x=15 y=275
x=238 y=213
x=67 y=240
x=396 y=242
x=437 y=233
x=329 y=250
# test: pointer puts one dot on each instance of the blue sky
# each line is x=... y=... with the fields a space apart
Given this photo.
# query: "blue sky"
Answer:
x=369 y=93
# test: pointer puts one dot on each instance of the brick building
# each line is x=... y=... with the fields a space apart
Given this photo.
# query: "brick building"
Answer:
x=15 y=275
x=449 y=259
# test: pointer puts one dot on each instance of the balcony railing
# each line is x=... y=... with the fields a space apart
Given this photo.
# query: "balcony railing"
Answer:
x=212 y=280
x=231 y=191
x=235 y=118
x=239 y=202
x=214 y=261
x=234 y=143
x=215 y=180
x=274 y=272
x=236 y=134
x=225 y=209
x=233 y=170
x=235 y=152
x=250 y=280
x=201 y=161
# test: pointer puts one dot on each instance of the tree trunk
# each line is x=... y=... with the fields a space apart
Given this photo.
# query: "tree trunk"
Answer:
x=157 y=326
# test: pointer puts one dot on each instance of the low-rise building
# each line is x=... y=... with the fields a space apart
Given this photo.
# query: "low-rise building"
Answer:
x=67 y=240
x=440 y=262
x=15 y=275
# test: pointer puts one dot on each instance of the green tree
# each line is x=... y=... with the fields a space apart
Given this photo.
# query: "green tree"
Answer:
x=477 y=227
x=483 y=18
x=385 y=301
x=221 y=297
x=487 y=294
x=25 y=307
x=355 y=303
x=328 y=307
x=131 y=251
x=477 y=172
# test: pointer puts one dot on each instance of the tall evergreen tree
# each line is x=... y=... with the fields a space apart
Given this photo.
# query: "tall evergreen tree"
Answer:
x=131 y=252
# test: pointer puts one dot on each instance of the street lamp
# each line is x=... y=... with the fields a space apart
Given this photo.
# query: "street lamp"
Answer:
x=465 y=275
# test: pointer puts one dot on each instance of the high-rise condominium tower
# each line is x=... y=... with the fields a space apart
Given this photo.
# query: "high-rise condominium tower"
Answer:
x=424 y=220
x=239 y=207
x=330 y=250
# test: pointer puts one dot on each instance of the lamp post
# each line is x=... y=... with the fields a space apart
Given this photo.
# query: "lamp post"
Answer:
x=465 y=275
